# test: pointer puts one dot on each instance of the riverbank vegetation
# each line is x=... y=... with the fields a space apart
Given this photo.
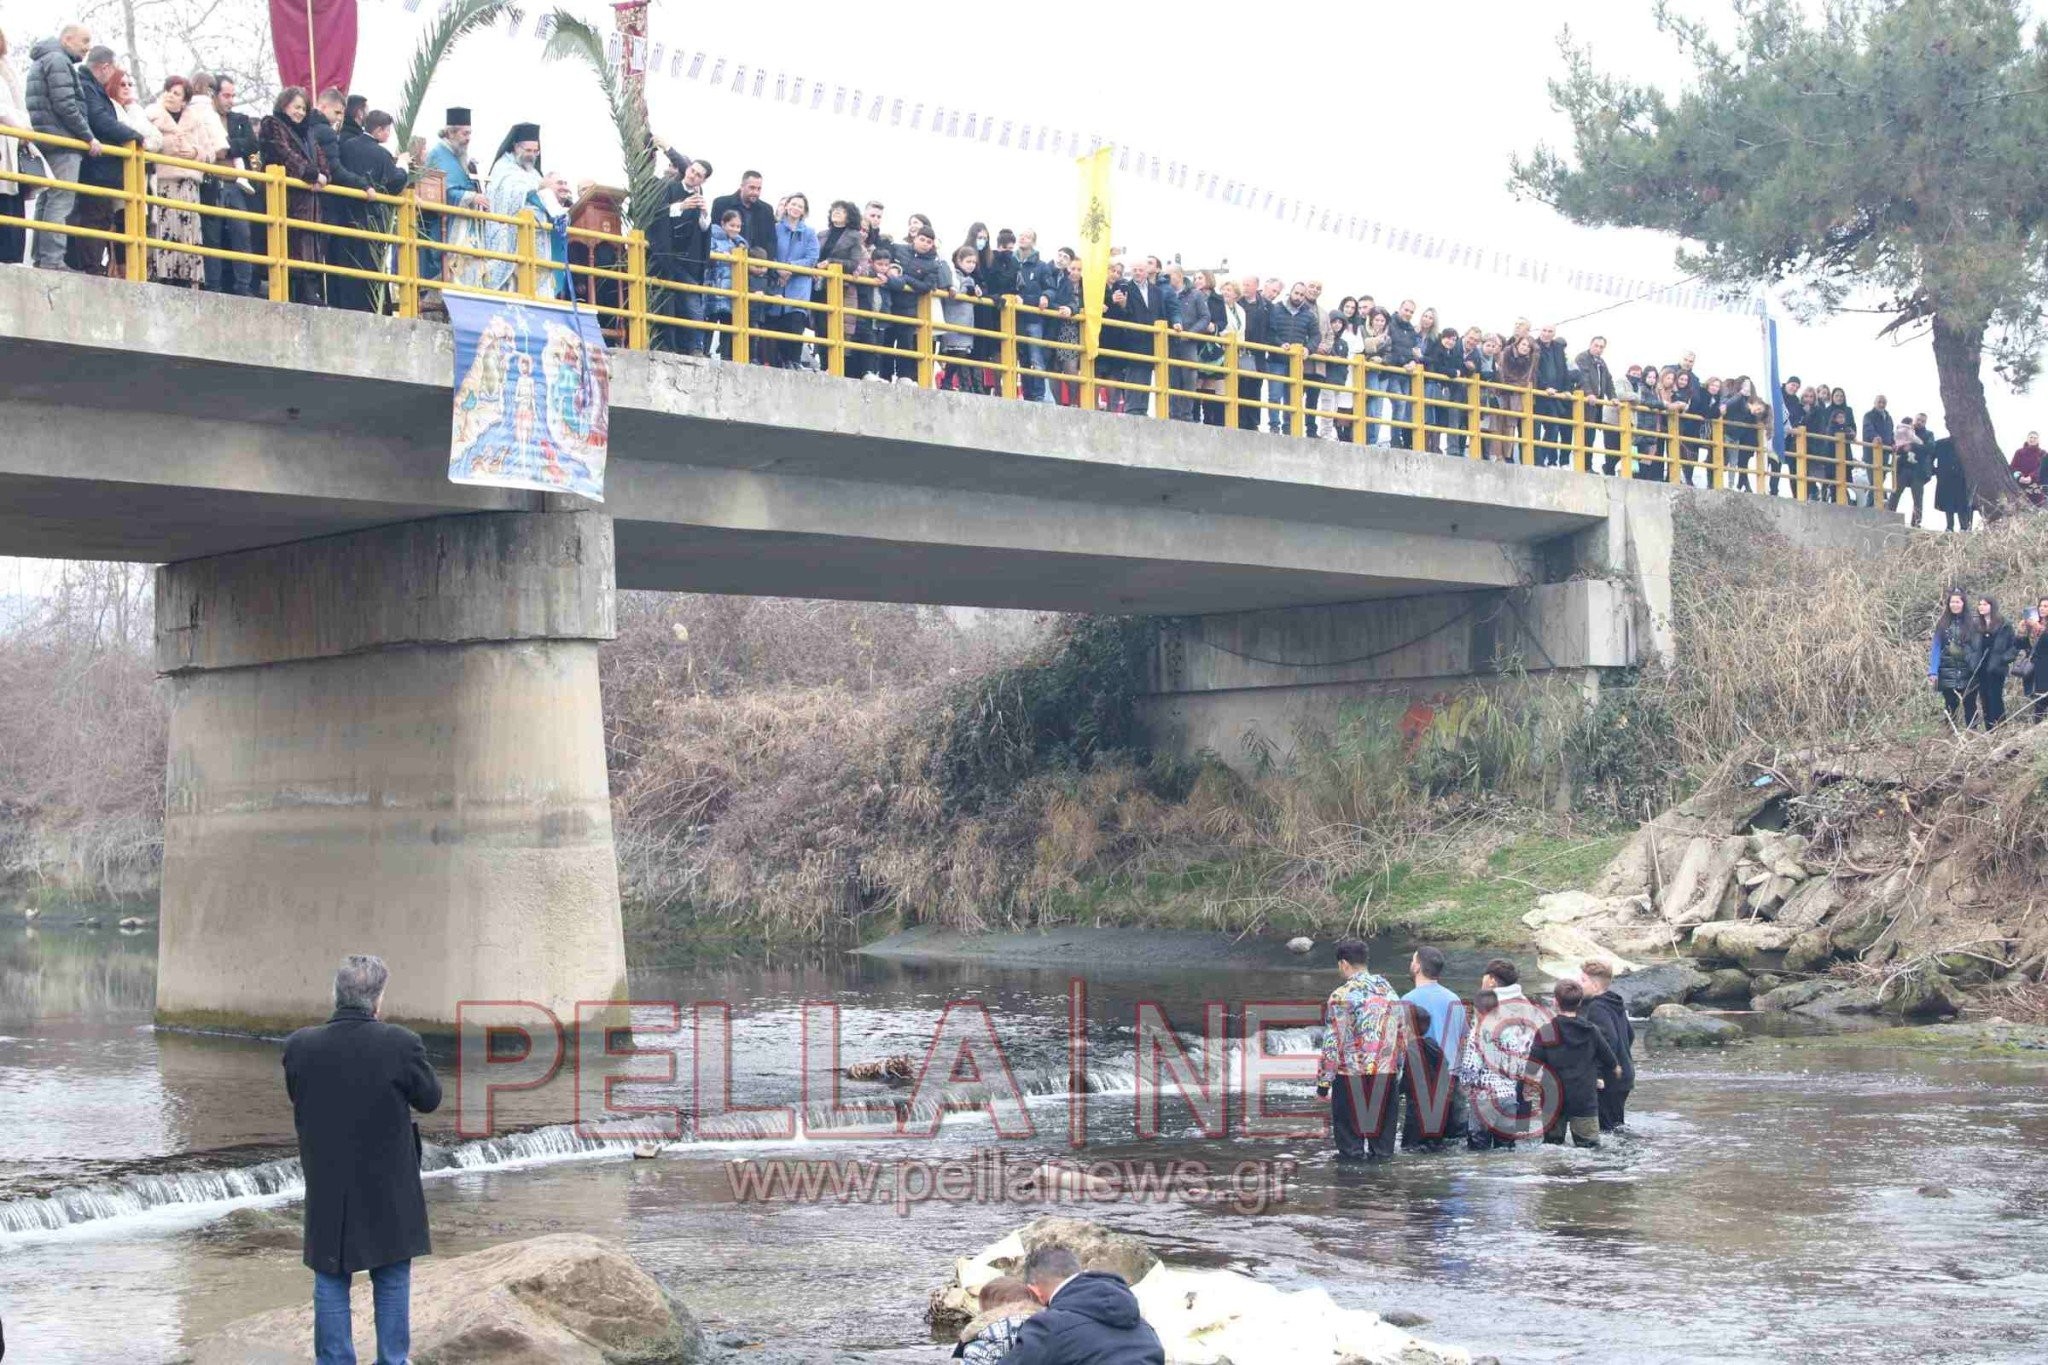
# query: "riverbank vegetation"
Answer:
x=797 y=773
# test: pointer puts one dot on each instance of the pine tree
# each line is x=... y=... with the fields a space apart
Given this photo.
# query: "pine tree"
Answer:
x=1892 y=146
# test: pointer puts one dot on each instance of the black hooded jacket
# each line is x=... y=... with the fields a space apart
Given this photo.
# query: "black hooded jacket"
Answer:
x=1578 y=1053
x=1608 y=1013
x=1093 y=1320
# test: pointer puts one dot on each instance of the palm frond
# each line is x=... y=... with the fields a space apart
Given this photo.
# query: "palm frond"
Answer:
x=574 y=39
x=450 y=27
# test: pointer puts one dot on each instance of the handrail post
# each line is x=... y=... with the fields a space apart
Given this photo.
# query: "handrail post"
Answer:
x=527 y=280
x=1717 y=477
x=1845 y=451
x=638 y=328
x=408 y=256
x=1162 y=376
x=927 y=344
x=1359 y=390
x=1418 y=415
x=1626 y=464
x=1474 y=429
x=1009 y=383
x=1230 y=382
x=1800 y=491
x=1089 y=345
x=1529 y=426
x=135 y=215
x=1297 y=389
x=277 y=218
x=742 y=309
x=1582 y=439
x=833 y=333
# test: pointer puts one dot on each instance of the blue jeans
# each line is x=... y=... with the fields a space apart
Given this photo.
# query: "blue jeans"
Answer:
x=228 y=234
x=1031 y=357
x=1276 y=391
x=53 y=208
x=333 y=1333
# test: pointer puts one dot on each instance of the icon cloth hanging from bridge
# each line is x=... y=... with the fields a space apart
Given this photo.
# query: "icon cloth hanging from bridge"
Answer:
x=533 y=391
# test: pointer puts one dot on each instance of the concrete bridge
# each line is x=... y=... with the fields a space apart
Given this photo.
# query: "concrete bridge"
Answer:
x=385 y=723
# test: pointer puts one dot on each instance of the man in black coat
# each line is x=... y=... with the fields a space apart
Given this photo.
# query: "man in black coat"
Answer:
x=1553 y=384
x=1608 y=1013
x=365 y=154
x=354 y=1083
x=682 y=252
x=1145 y=302
x=1089 y=1319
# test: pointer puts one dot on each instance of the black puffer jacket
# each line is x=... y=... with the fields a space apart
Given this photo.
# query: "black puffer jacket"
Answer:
x=56 y=92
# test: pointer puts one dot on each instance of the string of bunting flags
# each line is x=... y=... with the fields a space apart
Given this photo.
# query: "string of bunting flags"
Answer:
x=1040 y=137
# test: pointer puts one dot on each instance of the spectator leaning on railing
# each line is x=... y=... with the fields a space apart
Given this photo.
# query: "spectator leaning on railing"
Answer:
x=1526 y=395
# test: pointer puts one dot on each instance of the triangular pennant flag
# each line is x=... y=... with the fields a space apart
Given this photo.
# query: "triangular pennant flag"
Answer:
x=696 y=65
x=717 y=69
x=839 y=101
x=1004 y=140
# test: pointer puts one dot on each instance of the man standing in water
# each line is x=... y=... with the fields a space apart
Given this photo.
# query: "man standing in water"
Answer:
x=1431 y=1085
x=1360 y=1071
x=354 y=1082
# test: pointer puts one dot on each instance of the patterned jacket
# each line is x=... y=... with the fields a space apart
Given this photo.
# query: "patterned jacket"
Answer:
x=1364 y=1029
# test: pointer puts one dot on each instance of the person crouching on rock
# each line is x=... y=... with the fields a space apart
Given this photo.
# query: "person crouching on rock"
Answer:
x=1364 y=1034
x=354 y=1082
x=1089 y=1319
x=1608 y=1012
x=1578 y=1055
x=1004 y=1304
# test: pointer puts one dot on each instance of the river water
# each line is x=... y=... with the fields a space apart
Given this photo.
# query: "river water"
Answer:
x=1768 y=1205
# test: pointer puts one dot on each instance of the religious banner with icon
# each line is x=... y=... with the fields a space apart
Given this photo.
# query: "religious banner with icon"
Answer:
x=1095 y=240
x=533 y=388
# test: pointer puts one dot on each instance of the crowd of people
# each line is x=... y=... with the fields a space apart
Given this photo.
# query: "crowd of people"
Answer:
x=1976 y=652
x=1667 y=415
x=1428 y=1069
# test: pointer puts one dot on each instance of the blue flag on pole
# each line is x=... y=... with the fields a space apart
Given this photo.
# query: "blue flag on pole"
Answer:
x=532 y=396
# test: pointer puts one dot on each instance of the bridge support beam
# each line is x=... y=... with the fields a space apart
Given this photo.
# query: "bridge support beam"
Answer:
x=389 y=742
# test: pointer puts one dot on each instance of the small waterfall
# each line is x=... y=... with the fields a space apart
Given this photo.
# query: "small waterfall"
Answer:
x=143 y=1192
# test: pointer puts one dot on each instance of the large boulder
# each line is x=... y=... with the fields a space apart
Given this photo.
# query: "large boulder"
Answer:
x=1704 y=881
x=1782 y=854
x=1677 y=1026
x=1727 y=986
x=1098 y=1247
x=1561 y=949
x=1813 y=949
x=565 y=1299
x=1919 y=992
x=1667 y=983
x=1792 y=995
x=1838 y=1001
x=1758 y=945
x=1816 y=899
x=1625 y=927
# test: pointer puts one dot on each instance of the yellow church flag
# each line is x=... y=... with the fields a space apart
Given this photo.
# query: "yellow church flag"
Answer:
x=1095 y=237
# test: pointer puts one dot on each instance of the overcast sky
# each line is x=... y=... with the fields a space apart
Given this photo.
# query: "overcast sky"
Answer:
x=1296 y=101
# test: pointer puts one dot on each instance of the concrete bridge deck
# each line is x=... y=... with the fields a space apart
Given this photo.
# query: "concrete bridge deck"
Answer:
x=159 y=425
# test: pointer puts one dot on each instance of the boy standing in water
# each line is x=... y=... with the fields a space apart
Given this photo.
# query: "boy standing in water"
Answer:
x=1577 y=1054
x=1608 y=1012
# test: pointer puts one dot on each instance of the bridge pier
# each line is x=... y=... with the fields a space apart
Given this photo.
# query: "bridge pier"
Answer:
x=389 y=741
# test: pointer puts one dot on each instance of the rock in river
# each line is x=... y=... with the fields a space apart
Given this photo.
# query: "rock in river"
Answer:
x=1677 y=1026
x=1665 y=984
x=569 y=1299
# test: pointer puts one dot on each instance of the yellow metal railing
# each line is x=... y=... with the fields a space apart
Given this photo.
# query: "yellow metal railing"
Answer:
x=611 y=276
